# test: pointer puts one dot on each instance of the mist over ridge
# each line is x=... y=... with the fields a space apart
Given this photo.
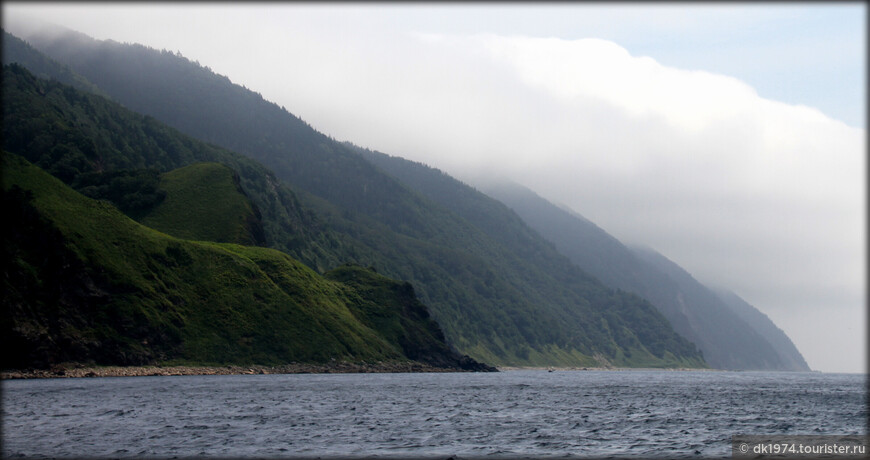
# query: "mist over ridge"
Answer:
x=750 y=201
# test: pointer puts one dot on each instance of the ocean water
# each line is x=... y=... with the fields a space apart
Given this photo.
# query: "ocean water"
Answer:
x=508 y=414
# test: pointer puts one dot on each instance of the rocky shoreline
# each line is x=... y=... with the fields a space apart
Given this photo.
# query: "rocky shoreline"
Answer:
x=341 y=367
x=79 y=371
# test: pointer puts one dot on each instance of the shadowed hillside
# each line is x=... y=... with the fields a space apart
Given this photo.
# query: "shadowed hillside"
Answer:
x=84 y=283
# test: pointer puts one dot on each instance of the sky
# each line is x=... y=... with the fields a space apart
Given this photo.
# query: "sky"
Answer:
x=729 y=137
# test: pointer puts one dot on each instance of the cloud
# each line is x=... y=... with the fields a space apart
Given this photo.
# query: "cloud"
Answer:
x=645 y=146
x=639 y=85
x=762 y=196
x=748 y=192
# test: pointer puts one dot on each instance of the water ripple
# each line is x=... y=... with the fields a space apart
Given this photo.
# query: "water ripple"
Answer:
x=521 y=413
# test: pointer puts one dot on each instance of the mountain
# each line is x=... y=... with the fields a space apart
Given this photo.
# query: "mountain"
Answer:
x=500 y=223
x=82 y=282
x=747 y=348
x=726 y=338
x=491 y=303
x=766 y=328
x=204 y=201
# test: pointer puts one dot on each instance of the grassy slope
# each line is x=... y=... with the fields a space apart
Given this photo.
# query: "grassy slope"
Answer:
x=156 y=298
x=204 y=202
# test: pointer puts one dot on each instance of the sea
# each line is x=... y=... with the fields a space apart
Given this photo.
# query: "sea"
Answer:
x=511 y=414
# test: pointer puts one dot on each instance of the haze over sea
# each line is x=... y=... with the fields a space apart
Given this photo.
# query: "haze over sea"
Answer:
x=515 y=413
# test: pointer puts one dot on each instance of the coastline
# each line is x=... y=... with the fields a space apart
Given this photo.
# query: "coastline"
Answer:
x=81 y=371
x=616 y=369
x=78 y=371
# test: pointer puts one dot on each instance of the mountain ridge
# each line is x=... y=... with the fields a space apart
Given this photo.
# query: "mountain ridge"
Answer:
x=763 y=325
x=727 y=339
x=478 y=295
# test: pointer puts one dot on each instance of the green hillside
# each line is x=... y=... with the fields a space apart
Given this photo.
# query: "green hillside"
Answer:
x=107 y=152
x=541 y=261
x=393 y=310
x=490 y=301
x=84 y=283
x=204 y=201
